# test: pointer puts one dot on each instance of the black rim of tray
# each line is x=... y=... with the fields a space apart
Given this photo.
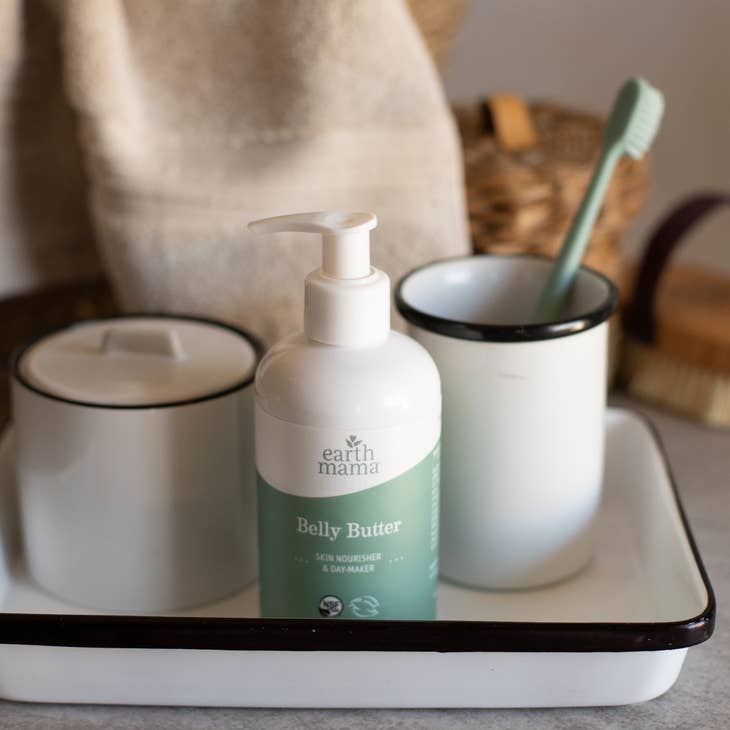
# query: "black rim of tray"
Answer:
x=241 y=634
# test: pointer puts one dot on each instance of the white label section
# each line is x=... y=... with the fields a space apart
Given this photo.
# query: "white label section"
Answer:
x=321 y=462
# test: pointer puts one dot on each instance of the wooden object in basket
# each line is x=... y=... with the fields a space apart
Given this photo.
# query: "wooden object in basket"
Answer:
x=512 y=122
x=677 y=346
x=522 y=200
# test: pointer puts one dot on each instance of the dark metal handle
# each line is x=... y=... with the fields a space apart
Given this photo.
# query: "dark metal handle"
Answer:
x=639 y=319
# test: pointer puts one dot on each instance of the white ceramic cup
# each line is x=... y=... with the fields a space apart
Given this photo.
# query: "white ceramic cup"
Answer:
x=523 y=409
x=135 y=461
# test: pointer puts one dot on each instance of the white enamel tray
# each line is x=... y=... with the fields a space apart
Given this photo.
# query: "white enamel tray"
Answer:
x=615 y=634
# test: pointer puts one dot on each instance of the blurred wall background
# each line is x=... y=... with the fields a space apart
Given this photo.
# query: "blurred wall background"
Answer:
x=579 y=51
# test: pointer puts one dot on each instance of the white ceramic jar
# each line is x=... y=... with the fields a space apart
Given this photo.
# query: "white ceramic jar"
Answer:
x=135 y=461
x=523 y=412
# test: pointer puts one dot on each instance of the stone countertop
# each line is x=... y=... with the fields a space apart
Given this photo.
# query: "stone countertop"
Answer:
x=700 y=460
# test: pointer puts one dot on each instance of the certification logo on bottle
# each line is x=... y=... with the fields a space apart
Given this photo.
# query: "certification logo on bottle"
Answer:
x=365 y=606
x=330 y=606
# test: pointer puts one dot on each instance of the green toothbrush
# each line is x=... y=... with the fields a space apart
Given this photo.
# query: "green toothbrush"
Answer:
x=630 y=129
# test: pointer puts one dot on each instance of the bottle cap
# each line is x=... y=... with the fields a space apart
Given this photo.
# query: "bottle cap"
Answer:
x=346 y=300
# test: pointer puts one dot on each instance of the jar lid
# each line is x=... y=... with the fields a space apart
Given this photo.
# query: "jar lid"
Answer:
x=140 y=361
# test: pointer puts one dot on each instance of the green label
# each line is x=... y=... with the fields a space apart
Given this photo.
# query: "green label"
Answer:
x=369 y=554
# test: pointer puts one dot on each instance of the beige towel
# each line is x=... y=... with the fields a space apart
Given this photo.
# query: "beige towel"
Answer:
x=197 y=116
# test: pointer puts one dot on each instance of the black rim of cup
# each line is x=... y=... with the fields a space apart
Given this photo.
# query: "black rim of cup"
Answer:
x=506 y=332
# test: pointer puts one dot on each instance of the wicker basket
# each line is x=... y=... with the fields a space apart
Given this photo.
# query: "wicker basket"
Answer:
x=439 y=22
x=522 y=197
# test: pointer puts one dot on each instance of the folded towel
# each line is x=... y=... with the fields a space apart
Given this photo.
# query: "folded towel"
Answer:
x=196 y=117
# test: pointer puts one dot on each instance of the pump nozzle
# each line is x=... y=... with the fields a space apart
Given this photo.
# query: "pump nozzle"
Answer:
x=346 y=301
x=345 y=238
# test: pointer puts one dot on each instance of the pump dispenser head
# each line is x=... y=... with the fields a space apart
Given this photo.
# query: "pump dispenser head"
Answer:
x=346 y=301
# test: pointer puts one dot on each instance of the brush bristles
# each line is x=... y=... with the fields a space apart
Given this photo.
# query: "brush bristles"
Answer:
x=694 y=391
x=645 y=124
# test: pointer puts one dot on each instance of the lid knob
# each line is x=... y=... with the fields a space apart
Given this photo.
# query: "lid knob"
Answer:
x=142 y=341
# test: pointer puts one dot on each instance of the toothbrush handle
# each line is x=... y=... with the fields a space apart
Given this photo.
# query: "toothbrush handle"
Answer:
x=563 y=272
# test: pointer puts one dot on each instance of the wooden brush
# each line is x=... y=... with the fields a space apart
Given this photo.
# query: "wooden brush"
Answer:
x=677 y=346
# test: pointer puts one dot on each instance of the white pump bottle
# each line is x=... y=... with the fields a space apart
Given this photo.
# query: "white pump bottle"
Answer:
x=348 y=418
